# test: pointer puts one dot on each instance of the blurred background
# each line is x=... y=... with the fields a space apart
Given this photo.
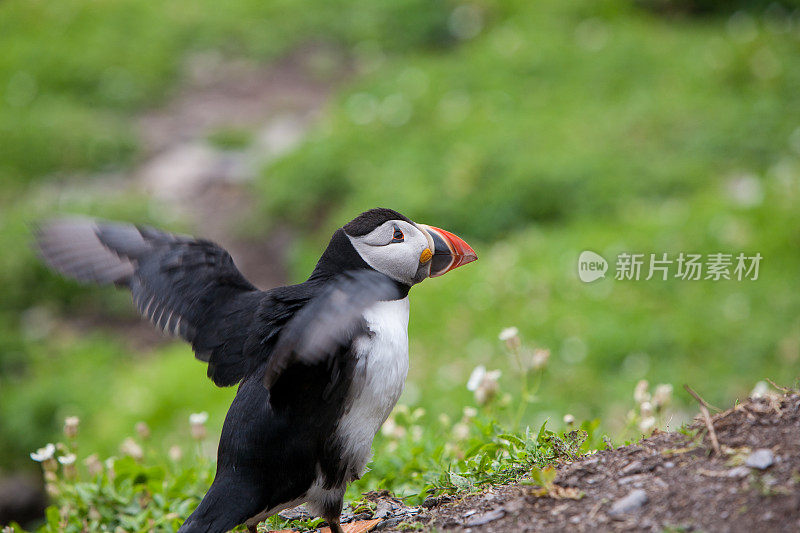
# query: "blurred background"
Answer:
x=534 y=130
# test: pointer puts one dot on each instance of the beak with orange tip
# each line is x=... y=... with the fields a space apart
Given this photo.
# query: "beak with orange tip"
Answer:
x=449 y=251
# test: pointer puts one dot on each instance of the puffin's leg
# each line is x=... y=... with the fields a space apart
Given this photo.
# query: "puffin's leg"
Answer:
x=252 y=523
x=332 y=510
x=334 y=524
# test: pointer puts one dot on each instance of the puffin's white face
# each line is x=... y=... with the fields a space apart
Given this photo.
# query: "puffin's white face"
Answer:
x=397 y=248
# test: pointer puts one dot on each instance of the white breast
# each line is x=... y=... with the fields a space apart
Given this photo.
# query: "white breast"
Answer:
x=379 y=377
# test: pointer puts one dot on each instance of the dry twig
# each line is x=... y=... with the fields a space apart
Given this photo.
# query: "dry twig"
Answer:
x=784 y=390
x=707 y=418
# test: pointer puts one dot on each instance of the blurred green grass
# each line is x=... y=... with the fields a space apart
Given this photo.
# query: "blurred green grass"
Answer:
x=533 y=130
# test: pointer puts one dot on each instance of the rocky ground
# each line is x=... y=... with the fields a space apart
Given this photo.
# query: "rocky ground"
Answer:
x=749 y=480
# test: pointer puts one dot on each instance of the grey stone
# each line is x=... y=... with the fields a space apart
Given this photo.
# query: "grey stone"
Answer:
x=762 y=459
x=296 y=513
x=633 y=468
x=388 y=523
x=629 y=503
x=484 y=518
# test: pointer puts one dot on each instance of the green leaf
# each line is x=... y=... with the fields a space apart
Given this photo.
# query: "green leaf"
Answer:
x=544 y=477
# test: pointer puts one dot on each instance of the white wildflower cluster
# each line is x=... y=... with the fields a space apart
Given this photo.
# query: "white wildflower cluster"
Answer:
x=524 y=358
x=650 y=406
x=60 y=460
x=198 y=423
x=484 y=384
x=402 y=422
x=53 y=455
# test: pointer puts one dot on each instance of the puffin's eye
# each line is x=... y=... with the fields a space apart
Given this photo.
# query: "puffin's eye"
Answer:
x=398 y=235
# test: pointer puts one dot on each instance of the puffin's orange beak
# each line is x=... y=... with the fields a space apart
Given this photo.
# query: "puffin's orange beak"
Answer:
x=449 y=251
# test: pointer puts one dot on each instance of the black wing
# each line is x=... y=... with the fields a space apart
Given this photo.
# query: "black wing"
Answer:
x=327 y=325
x=186 y=287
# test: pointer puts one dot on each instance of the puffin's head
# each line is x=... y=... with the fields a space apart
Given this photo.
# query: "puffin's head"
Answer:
x=403 y=250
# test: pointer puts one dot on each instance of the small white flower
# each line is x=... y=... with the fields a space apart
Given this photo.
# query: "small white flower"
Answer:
x=198 y=419
x=539 y=359
x=43 y=454
x=647 y=424
x=175 y=453
x=476 y=378
x=508 y=334
x=470 y=412
x=569 y=419
x=392 y=429
x=662 y=396
x=461 y=431
x=760 y=390
x=93 y=464
x=494 y=375
x=131 y=447
x=71 y=424
x=484 y=384
x=143 y=430
x=511 y=337
x=641 y=393
x=68 y=459
x=646 y=408
x=110 y=472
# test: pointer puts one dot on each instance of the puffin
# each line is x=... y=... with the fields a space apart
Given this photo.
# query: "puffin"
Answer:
x=319 y=365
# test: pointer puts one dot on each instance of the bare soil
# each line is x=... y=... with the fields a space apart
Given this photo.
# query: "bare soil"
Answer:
x=668 y=482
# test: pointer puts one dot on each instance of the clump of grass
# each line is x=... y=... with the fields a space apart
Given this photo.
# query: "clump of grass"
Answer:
x=140 y=490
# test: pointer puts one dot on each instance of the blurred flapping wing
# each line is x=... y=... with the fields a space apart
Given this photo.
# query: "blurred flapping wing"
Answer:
x=186 y=287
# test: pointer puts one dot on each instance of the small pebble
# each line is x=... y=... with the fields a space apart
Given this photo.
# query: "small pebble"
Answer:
x=485 y=518
x=633 y=468
x=739 y=471
x=762 y=459
x=388 y=523
x=634 y=500
x=669 y=464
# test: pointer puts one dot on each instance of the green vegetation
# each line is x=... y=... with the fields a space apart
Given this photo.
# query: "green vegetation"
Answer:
x=148 y=489
x=535 y=130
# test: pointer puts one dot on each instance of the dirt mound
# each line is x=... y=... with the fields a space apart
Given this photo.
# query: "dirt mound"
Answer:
x=670 y=481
